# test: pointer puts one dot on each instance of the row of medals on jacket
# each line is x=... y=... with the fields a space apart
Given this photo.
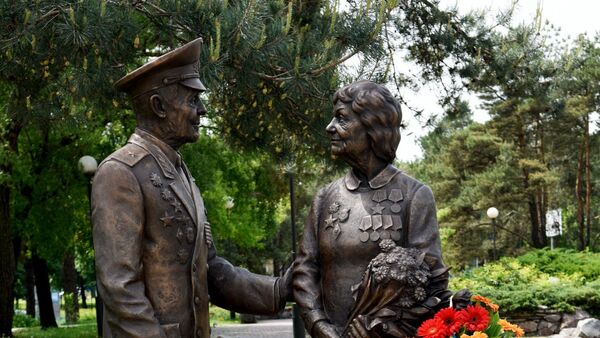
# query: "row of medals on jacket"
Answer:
x=375 y=226
x=183 y=224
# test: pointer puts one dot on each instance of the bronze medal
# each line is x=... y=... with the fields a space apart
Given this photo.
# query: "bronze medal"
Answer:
x=374 y=236
x=364 y=237
x=395 y=235
x=343 y=215
x=189 y=234
x=385 y=234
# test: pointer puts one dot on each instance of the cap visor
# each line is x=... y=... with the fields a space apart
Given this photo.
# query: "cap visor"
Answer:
x=193 y=83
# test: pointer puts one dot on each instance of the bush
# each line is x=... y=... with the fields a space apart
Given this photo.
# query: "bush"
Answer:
x=23 y=320
x=586 y=264
x=517 y=287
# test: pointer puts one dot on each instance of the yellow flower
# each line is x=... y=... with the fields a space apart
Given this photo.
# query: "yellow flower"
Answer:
x=486 y=301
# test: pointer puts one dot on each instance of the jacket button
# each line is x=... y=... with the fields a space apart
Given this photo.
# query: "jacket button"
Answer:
x=197 y=300
x=194 y=268
x=199 y=333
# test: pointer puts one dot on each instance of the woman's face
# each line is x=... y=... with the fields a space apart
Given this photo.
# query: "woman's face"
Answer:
x=349 y=137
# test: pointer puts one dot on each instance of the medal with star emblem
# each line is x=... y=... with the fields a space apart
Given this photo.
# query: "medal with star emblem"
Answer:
x=155 y=179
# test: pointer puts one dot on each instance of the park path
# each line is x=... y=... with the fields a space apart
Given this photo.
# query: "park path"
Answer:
x=280 y=328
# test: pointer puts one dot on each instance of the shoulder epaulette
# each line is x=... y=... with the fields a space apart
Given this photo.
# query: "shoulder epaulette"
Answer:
x=130 y=154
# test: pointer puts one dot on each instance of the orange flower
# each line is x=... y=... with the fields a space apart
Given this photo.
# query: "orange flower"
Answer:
x=506 y=326
x=518 y=331
x=476 y=334
x=486 y=301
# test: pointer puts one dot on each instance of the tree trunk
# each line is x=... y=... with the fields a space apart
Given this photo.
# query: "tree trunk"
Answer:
x=29 y=288
x=70 y=288
x=82 y=292
x=579 y=216
x=7 y=264
x=42 y=282
x=588 y=186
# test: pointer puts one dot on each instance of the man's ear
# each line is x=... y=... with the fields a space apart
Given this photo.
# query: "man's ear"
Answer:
x=156 y=105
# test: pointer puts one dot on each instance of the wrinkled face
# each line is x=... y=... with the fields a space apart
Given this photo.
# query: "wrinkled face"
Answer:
x=184 y=110
x=349 y=137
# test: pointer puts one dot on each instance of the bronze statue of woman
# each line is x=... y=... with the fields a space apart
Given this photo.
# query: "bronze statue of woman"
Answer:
x=350 y=218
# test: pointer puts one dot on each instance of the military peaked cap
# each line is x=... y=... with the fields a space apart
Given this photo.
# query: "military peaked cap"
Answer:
x=177 y=66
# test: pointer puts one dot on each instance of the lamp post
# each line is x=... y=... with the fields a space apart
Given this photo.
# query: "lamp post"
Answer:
x=492 y=213
x=228 y=205
x=88 y=166
x=298 y=325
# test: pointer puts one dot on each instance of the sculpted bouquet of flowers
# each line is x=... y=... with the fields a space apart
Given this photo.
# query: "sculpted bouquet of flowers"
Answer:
x=480 y=320
x=397 y=289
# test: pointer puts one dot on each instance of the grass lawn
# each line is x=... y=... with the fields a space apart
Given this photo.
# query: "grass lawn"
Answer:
x=80 y=331
x=86 y=326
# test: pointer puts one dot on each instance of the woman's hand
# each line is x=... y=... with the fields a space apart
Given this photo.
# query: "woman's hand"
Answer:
x=324 y=329
x=357 y=329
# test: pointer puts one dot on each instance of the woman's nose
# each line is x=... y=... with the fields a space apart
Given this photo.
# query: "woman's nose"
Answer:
x=330 y=127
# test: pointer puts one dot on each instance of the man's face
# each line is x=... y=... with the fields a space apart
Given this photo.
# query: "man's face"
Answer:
x=348 y=136
x=184 y=110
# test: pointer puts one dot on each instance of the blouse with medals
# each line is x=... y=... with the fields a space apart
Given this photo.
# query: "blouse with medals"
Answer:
x=347 y=220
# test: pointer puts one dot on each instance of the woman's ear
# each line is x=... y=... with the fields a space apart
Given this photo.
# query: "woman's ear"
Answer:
x=157 y=107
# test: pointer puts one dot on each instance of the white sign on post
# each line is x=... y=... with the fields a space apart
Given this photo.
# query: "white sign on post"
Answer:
x=553 y=223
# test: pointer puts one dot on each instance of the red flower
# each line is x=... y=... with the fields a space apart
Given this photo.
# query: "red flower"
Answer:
x=475 y=318
x=450 y=318
x=432 y=328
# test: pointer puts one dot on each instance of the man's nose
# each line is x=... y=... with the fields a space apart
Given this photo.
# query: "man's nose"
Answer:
x=201 y=110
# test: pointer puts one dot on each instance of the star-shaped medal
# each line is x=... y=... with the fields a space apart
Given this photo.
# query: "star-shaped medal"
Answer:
x=378 y=209
x=176 y=205
x=167 y=220
x=329 y=221
x=166 y=195
x=155 y=179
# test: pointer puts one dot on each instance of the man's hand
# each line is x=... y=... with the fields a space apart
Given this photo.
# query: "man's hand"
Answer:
x=357 y=329
x=285 y=285
x=323 y=329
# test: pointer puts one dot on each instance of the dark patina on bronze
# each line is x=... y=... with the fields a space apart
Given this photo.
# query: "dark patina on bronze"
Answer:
x=156 y=262
x=335 y=282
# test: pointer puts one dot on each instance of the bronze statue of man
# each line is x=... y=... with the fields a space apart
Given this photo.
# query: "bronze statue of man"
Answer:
x=156 y=263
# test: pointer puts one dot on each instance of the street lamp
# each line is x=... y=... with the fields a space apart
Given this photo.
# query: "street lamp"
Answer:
x=88 y=166
x=229 y=203
x=492 y=213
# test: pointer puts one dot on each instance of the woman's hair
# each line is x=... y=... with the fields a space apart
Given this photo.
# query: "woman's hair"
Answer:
x=379 y=113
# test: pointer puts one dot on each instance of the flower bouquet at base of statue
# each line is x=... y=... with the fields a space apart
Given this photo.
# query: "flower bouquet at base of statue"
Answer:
x=396 y=291
x=480 y=320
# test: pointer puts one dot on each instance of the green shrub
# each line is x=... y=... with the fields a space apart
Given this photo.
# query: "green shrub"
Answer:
x=22 y=320
x=517 y=287
x=564 y=261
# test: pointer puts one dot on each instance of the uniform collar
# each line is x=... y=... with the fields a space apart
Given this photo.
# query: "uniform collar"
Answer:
x=171 y=154
x=383 y=178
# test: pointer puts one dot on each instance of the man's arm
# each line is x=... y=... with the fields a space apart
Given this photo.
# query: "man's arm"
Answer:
x=242 y=291
x=118 y=220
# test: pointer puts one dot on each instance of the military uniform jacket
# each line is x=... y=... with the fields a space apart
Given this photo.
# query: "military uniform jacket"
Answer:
x=155 y=261
x=342 y=233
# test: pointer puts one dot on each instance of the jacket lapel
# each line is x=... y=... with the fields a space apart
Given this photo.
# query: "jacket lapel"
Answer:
x=168 y=170
x=184 y=197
